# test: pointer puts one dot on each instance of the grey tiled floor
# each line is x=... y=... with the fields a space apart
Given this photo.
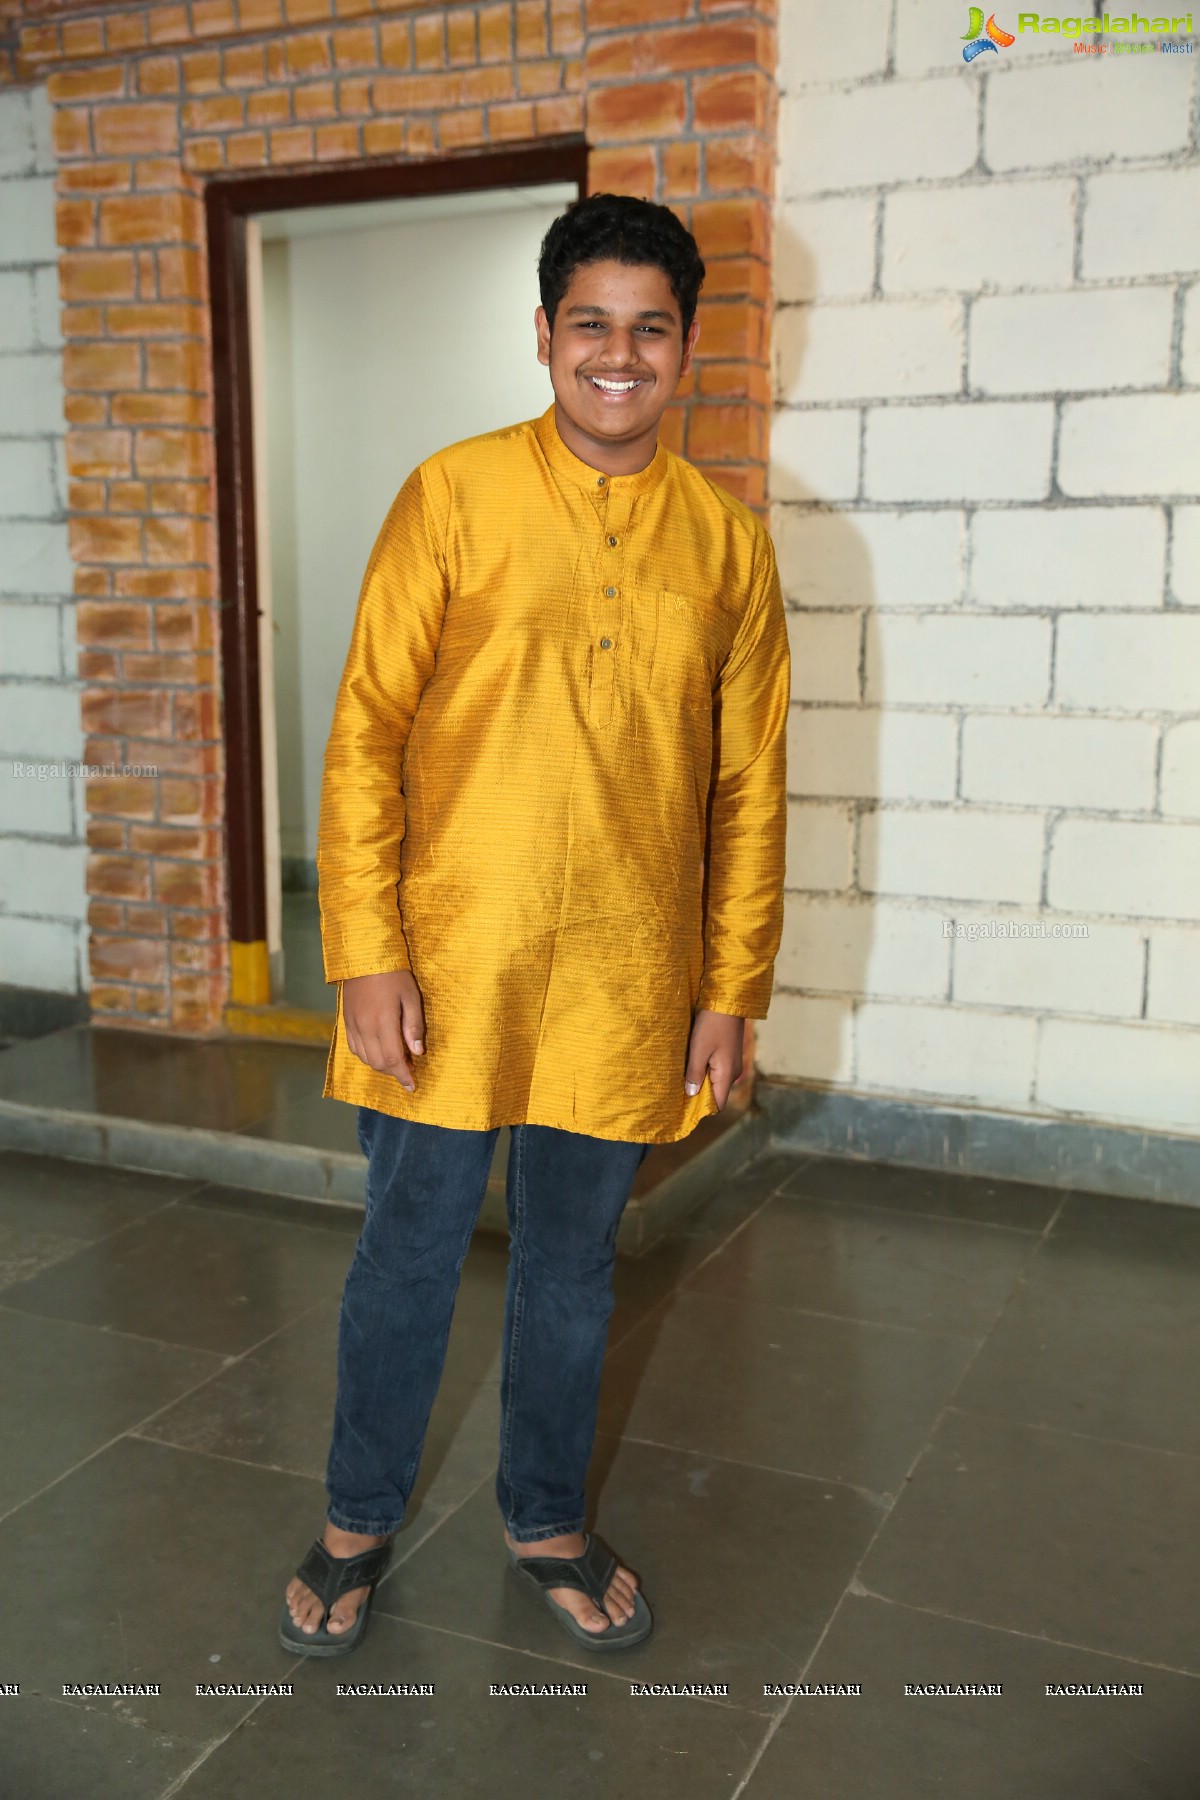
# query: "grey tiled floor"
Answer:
x=857 y=1426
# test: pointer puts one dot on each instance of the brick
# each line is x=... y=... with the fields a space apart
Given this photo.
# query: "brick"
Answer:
x=146 y=219
x=179 y=365
x=860 y=753
x=626 y=169
x=477 y=86
x=75 y=222
x=72 y=131
x=1181 y=770
x=202 y=72
x=88 y=178
x=739 y=102
x=1047 y=343
x=872 y=349
x=118 y=877
x=738 y=163
x=158 y=75
x=719 y=433
x=825 y=651
x=386 y=137
x=82 y=38
x=308 y=54
x=616 y=15
x=461 y=43
x=1141 y=870
x=1143 y=222
x=946 y=1051
x=1141 y=444
x=904 y=131
x=870 y=559
x=566 y=27
x=83 y=321
x=1128 y=663
x=537 y=78
x=337 y=143
x=460 y=129
x=731 y=276
x=119 y=626
x=316 y=101
x=1174 y=984
x=965 y=660
x=642 y=109
x=202 y=155
x=998 y=233
x=105 y=540
x=217 y=112
x=1100 y=765
x=1068 y=557
x=171 y=540
x=1086 y=109
x=841 y=43
x=952 y=854
x=294 y=145
x=820 y=846
x=825 y=248
x=269 y=108
x=138 y=130
x=161 y=319
x=495 y=33
x=103 y=83
x=679 y=49
x=995 y=451
x=807 y=1038
x=99 y=453
x=88 y=496
x=1114 y=1072
x=815 y=455
x=429 y=42
x=855 y=947
x=116 y=796
x=102 y=366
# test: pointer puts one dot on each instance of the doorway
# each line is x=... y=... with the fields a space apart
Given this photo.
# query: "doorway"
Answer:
x=368 y=332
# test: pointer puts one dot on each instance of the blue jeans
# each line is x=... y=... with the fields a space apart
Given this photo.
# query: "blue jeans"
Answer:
x=425 y=1185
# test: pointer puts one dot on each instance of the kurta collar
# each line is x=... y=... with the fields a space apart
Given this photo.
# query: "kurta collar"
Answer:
x=565 y=462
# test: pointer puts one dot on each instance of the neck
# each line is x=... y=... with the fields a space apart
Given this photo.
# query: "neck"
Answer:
x=626 y=458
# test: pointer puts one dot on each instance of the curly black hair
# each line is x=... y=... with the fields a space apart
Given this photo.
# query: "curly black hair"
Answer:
x=601 y=227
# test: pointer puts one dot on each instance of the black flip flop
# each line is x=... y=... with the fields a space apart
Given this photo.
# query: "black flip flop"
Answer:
x=330 y=1577
x=592 y=1575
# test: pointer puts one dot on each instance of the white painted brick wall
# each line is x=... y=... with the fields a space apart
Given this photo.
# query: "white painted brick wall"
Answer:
x=42 y=854
x=986 y=463
x=1066 y=557
x=853 y=351
x=1048 y=343
x=931 y=659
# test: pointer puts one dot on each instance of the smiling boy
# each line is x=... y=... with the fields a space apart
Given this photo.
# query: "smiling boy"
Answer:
x=551 y=855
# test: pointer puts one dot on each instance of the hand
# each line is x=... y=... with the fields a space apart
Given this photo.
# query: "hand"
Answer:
x=715 y=1049
x=385 y=1019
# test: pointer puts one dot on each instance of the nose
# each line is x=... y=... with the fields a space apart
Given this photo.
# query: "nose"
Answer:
x=621 y=351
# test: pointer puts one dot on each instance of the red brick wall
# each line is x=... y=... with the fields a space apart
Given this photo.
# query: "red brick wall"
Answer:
x=677 y=99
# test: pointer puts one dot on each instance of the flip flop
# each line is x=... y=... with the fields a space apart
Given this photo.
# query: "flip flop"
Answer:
x=592 y=1575
x=330 y=1577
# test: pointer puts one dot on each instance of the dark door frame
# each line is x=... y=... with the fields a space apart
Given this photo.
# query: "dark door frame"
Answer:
x=228 y=202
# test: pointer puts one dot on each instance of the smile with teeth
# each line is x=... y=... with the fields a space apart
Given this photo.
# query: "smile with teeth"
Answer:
x=607 y=386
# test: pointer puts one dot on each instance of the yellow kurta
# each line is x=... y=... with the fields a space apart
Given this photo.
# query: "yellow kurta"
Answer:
x=555 y=785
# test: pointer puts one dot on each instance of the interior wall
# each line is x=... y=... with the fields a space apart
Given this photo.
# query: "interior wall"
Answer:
x=382 y=346
x=985 y=474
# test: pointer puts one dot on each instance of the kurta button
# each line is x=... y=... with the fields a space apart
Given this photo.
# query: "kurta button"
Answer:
x=606 y=643
x=610 y=593
x=600 y=480
x=612 y=543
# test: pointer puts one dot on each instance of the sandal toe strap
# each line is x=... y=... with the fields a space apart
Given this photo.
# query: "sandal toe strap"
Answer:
x=591 y=1573
x=330 y=1577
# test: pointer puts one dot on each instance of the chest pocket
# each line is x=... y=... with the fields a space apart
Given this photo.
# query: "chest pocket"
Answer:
x=689 y=643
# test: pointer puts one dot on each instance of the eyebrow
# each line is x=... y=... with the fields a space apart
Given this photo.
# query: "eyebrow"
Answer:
x=604 y=313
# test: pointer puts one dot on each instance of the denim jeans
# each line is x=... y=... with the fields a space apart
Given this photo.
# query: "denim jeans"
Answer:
x=425 y=1185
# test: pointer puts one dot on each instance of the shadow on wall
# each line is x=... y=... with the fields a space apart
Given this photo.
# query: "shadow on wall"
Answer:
x=834 y=754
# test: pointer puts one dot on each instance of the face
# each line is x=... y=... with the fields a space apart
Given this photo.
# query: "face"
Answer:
x=616 y=355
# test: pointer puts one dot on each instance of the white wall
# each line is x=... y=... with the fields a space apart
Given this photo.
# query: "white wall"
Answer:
x=985 y=480
x=382 y=346
x=42 y=856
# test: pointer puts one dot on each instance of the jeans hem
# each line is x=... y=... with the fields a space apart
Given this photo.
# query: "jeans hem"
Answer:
x=545 y=1531
x=371 y=1528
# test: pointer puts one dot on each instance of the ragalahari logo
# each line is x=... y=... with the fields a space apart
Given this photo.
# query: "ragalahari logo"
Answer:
x=974 y=40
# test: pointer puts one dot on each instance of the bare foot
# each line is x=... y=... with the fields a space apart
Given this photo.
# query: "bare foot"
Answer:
x=306 y=1609
x=618 y=1601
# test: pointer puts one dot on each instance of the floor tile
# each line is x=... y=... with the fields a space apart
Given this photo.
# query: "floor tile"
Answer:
x=683 y=1524
x=940 y=1192
x=53 y=1750
x=194 y=1275
x=1072 y=1538
x=884 y=1745
x=150 y=1564
x=833 y=1398
x=50 y=1207
x=69 y=1388
x=852 y=1263
x=1097 y=1340
x=462 y=1741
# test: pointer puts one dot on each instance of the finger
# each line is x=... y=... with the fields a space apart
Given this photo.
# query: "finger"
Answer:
x=393 y=1055
x=413 y=1027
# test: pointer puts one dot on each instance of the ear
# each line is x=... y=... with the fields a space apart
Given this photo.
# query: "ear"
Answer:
x=542 y=327
x=689 y=345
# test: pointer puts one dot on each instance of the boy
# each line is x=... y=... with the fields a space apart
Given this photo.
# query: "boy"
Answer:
x=551 y=855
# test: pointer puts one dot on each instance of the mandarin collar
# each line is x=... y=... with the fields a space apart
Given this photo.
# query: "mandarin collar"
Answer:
x=565 y=462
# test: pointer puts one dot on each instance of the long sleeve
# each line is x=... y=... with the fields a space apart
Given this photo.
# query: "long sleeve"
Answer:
x=361 y=826
x=747 y=822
